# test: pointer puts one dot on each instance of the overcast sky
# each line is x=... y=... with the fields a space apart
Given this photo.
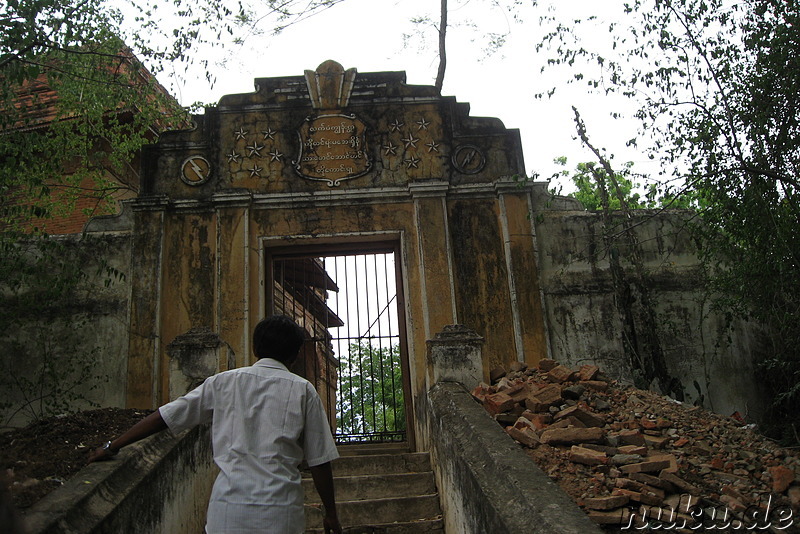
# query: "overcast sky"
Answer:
x=369 y=36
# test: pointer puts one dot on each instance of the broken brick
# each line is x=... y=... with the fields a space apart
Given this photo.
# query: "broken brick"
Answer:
x=534 y=404
x=641 y=487
x=612 y=517
x=573 y=392
x=572 y=436
x=733 y=503
x=626 y=459
x=673 y=462
x=680 y=442
x=726 y=466
x=497 y=402
x=550 y=394
x=581 y=455
x=517 y=366
x=632 y=449
x=546 y=364
x=525 y=436
x=560 y=374
x=657 y=423
x=523 y=423
x=608 y=502
x=648 y=466
x=653 y=481
x=568 y=422
x=519 y=393
x=496 y=374
x=601 y=448
x=543 y=399
x=596 y=385
x=587 y=372
x=655 y=442
x=586 y=417
x=504 y=384
x=782 y=477
x=681 y=484
x=632 y=437
x=644 y=498
x=648 y=424
x=539 y=420
x=480 y=392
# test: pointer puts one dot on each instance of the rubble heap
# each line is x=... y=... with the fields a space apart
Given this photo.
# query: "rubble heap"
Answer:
x=631 y=457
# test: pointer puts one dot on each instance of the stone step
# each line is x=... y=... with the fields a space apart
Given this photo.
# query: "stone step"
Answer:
x=355 y=449
x=379 y=491
x=412 y=462
x=362 y=487
x=373 y=512
x=428 y=526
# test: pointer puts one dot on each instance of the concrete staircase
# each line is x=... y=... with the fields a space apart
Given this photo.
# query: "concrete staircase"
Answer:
x=379 y=490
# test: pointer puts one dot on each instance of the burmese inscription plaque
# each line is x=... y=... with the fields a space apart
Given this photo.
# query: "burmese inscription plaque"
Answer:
x=333 y=148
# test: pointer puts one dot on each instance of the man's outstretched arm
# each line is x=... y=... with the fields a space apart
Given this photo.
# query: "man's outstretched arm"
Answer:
x=323 y=481
x=148 y=426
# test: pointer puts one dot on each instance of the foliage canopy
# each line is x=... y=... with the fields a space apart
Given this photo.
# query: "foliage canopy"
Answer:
x=716 y=85
x=371 y=392
x=78 y=100
x=78 y=96
x=589 y=178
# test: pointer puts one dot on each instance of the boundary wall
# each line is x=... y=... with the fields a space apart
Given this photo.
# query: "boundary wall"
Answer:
x=160 y=485
x=486 y=482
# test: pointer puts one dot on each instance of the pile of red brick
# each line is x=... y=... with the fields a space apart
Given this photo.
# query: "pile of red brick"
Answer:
x=631 y=457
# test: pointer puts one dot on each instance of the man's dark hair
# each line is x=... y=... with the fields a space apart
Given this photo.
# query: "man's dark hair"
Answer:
x=278 y=337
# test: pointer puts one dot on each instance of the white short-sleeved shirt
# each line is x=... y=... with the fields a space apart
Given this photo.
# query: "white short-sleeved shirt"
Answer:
x=264 y=421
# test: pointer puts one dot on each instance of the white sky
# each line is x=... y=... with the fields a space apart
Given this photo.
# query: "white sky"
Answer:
x=366 y=300
x=368 y=35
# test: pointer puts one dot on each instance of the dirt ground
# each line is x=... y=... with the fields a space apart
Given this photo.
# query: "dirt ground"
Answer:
x=39 y=458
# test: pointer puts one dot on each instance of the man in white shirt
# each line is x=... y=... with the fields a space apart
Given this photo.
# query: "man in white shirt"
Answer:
x=264 y=421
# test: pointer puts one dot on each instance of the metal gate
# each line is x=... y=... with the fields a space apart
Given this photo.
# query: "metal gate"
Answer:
x=348 y=301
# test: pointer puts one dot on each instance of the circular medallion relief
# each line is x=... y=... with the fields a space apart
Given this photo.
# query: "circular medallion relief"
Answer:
x=468 y=159
x=195 y=170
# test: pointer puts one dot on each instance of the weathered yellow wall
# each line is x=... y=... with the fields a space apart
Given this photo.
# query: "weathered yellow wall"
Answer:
x=233 y=261
x=426 y=176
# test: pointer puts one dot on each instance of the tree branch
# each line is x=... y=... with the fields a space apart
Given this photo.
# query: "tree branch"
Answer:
x=442 y=46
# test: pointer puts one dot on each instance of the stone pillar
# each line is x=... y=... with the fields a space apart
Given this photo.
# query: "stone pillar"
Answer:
x=144 y=342
x=435 y=267
x=232 y=304
x=519 y=238
x=455 y=356
x=193 y=357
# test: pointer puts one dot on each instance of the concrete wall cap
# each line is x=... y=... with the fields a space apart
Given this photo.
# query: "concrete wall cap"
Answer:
x=194 y=338
x=457 y=332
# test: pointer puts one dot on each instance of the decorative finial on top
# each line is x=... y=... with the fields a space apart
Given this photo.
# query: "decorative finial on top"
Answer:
x=330 y=85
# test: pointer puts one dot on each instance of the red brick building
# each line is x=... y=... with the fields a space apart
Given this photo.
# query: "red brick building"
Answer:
x=74 y=201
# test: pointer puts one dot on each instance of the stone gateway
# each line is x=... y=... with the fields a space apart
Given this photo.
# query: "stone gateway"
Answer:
x=335 y=161
x=334 y=158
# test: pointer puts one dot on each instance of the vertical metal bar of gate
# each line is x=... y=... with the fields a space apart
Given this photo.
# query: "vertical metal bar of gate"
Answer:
x=299 y=288
x=348 y=303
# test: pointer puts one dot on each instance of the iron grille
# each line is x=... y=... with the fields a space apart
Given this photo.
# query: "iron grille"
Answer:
x=348 y=303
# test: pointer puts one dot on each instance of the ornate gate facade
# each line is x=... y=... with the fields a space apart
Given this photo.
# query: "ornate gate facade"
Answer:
x=335 y=163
